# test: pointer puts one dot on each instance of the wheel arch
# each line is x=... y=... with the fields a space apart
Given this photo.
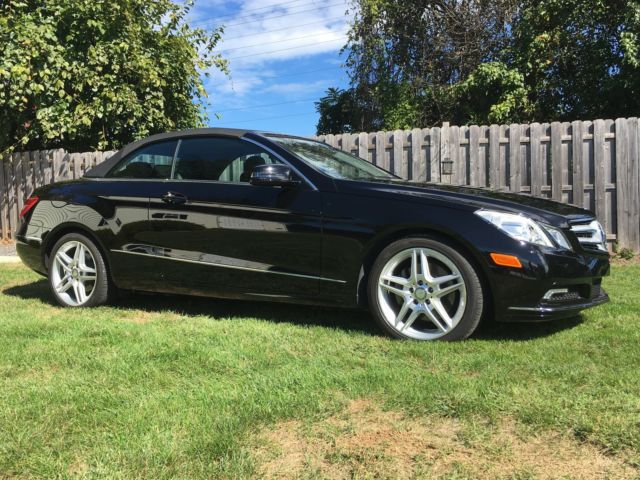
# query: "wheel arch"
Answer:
x=50 y=239
x=384 y=240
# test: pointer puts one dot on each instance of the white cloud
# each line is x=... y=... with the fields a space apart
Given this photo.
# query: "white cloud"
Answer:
x=295 y=87
x=263 y=31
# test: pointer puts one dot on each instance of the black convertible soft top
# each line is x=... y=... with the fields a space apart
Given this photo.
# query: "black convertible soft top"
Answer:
x=103 y=168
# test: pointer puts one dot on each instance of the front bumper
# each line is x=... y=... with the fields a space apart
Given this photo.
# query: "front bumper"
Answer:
x=550 y=311
x=551 y=285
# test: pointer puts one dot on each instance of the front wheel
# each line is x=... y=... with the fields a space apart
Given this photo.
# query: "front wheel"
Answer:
x=423 y=289
x=77 y=272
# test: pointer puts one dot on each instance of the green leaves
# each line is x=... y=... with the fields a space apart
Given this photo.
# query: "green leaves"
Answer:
x=493 y=93
x=420 y=63
x=96 y=75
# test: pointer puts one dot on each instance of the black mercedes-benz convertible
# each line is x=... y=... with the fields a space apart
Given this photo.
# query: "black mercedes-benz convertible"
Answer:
x=246 y=215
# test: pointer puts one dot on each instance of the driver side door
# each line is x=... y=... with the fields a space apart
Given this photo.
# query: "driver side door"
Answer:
x=214 y=233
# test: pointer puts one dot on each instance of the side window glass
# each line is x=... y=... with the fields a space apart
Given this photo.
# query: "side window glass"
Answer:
x=241 y=168
x=151 y=161
x=219 y=159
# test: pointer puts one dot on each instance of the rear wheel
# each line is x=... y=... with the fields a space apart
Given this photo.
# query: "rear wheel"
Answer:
x=77 y=272
x=423 y=289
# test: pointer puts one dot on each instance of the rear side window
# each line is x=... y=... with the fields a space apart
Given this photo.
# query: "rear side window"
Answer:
x=151 y=161
x=219 y=159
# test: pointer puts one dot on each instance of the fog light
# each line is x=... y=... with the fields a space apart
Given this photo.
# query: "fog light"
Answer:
x=555 y=291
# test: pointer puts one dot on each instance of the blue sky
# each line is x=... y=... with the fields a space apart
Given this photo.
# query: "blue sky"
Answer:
x=282 y=55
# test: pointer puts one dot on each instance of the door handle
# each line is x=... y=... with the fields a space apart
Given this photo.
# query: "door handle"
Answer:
x=174 y=198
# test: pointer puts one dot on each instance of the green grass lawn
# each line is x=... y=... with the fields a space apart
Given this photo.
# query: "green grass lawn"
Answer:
x=166 y=387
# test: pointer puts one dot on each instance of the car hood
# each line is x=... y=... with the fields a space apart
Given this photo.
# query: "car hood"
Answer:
x=474 y=198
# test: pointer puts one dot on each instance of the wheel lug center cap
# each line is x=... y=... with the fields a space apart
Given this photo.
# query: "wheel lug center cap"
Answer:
x=420 y=294
x=74 y=273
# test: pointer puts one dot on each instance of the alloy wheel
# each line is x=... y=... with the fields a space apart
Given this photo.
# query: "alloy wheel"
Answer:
x=422 y=293
x=74 y=273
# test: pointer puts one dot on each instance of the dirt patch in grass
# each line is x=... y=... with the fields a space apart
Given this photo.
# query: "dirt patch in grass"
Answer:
x=366 y=442
x=623 y=262
x=142 y=317
x=78 y=468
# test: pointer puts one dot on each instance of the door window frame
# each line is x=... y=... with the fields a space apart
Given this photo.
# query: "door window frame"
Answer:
x=132 y=154
x=179 y=140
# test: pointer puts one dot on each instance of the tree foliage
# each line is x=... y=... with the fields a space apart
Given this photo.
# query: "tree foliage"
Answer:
x=98 y=74
x=337 y=112
x=422 y=62
x=492 y=93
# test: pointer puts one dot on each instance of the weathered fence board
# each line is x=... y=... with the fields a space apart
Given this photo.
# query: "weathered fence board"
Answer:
x=593 y=164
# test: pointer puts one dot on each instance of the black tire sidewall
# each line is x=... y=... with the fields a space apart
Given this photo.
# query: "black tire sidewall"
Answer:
x=102 y=288
x=475 y=295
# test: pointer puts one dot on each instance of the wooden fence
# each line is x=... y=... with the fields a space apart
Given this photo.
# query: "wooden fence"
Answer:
x=594 y=164
x=21 y=173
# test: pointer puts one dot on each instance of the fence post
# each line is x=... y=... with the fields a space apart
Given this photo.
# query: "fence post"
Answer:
x=474 y=154
x=10 y=182
x=454 y=151
x=4 y=217
x=599 y=172
x=400 y=166
x=445 y=154
x=536 y=160
x=434 y=157
x=363 y=145
x=418 y=160
x=494 y=156
x=622 y=184
x=380 y=154
x=47 y=170
x=515 y=179
x=556 y=161
x=577 y=183
x=17 y=171
x=633 y=182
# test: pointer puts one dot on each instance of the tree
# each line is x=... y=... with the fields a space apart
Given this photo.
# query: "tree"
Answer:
x=423 y=62
x=404 y=56
x=336 y=111
x=577 y=57
x=98 y=74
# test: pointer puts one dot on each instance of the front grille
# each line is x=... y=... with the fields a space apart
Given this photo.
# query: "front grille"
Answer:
x=590 y=235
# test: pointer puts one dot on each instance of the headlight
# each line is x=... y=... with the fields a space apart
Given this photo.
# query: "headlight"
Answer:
x=558 y=236
x=523 y=228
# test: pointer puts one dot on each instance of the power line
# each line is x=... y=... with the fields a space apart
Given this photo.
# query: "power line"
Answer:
x=267 y=105
x=280 y=16
x=243 y=13
x=263 y=32
x=273 y=118
x=286 y=49
x=275 y=41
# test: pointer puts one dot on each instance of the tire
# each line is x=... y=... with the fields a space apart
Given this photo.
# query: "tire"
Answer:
x=442 y=301
x=78 y=275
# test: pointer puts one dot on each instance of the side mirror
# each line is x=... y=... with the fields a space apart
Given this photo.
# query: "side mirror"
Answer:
x=275 y=175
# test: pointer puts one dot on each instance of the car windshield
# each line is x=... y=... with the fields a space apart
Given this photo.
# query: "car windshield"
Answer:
x=332 y=162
